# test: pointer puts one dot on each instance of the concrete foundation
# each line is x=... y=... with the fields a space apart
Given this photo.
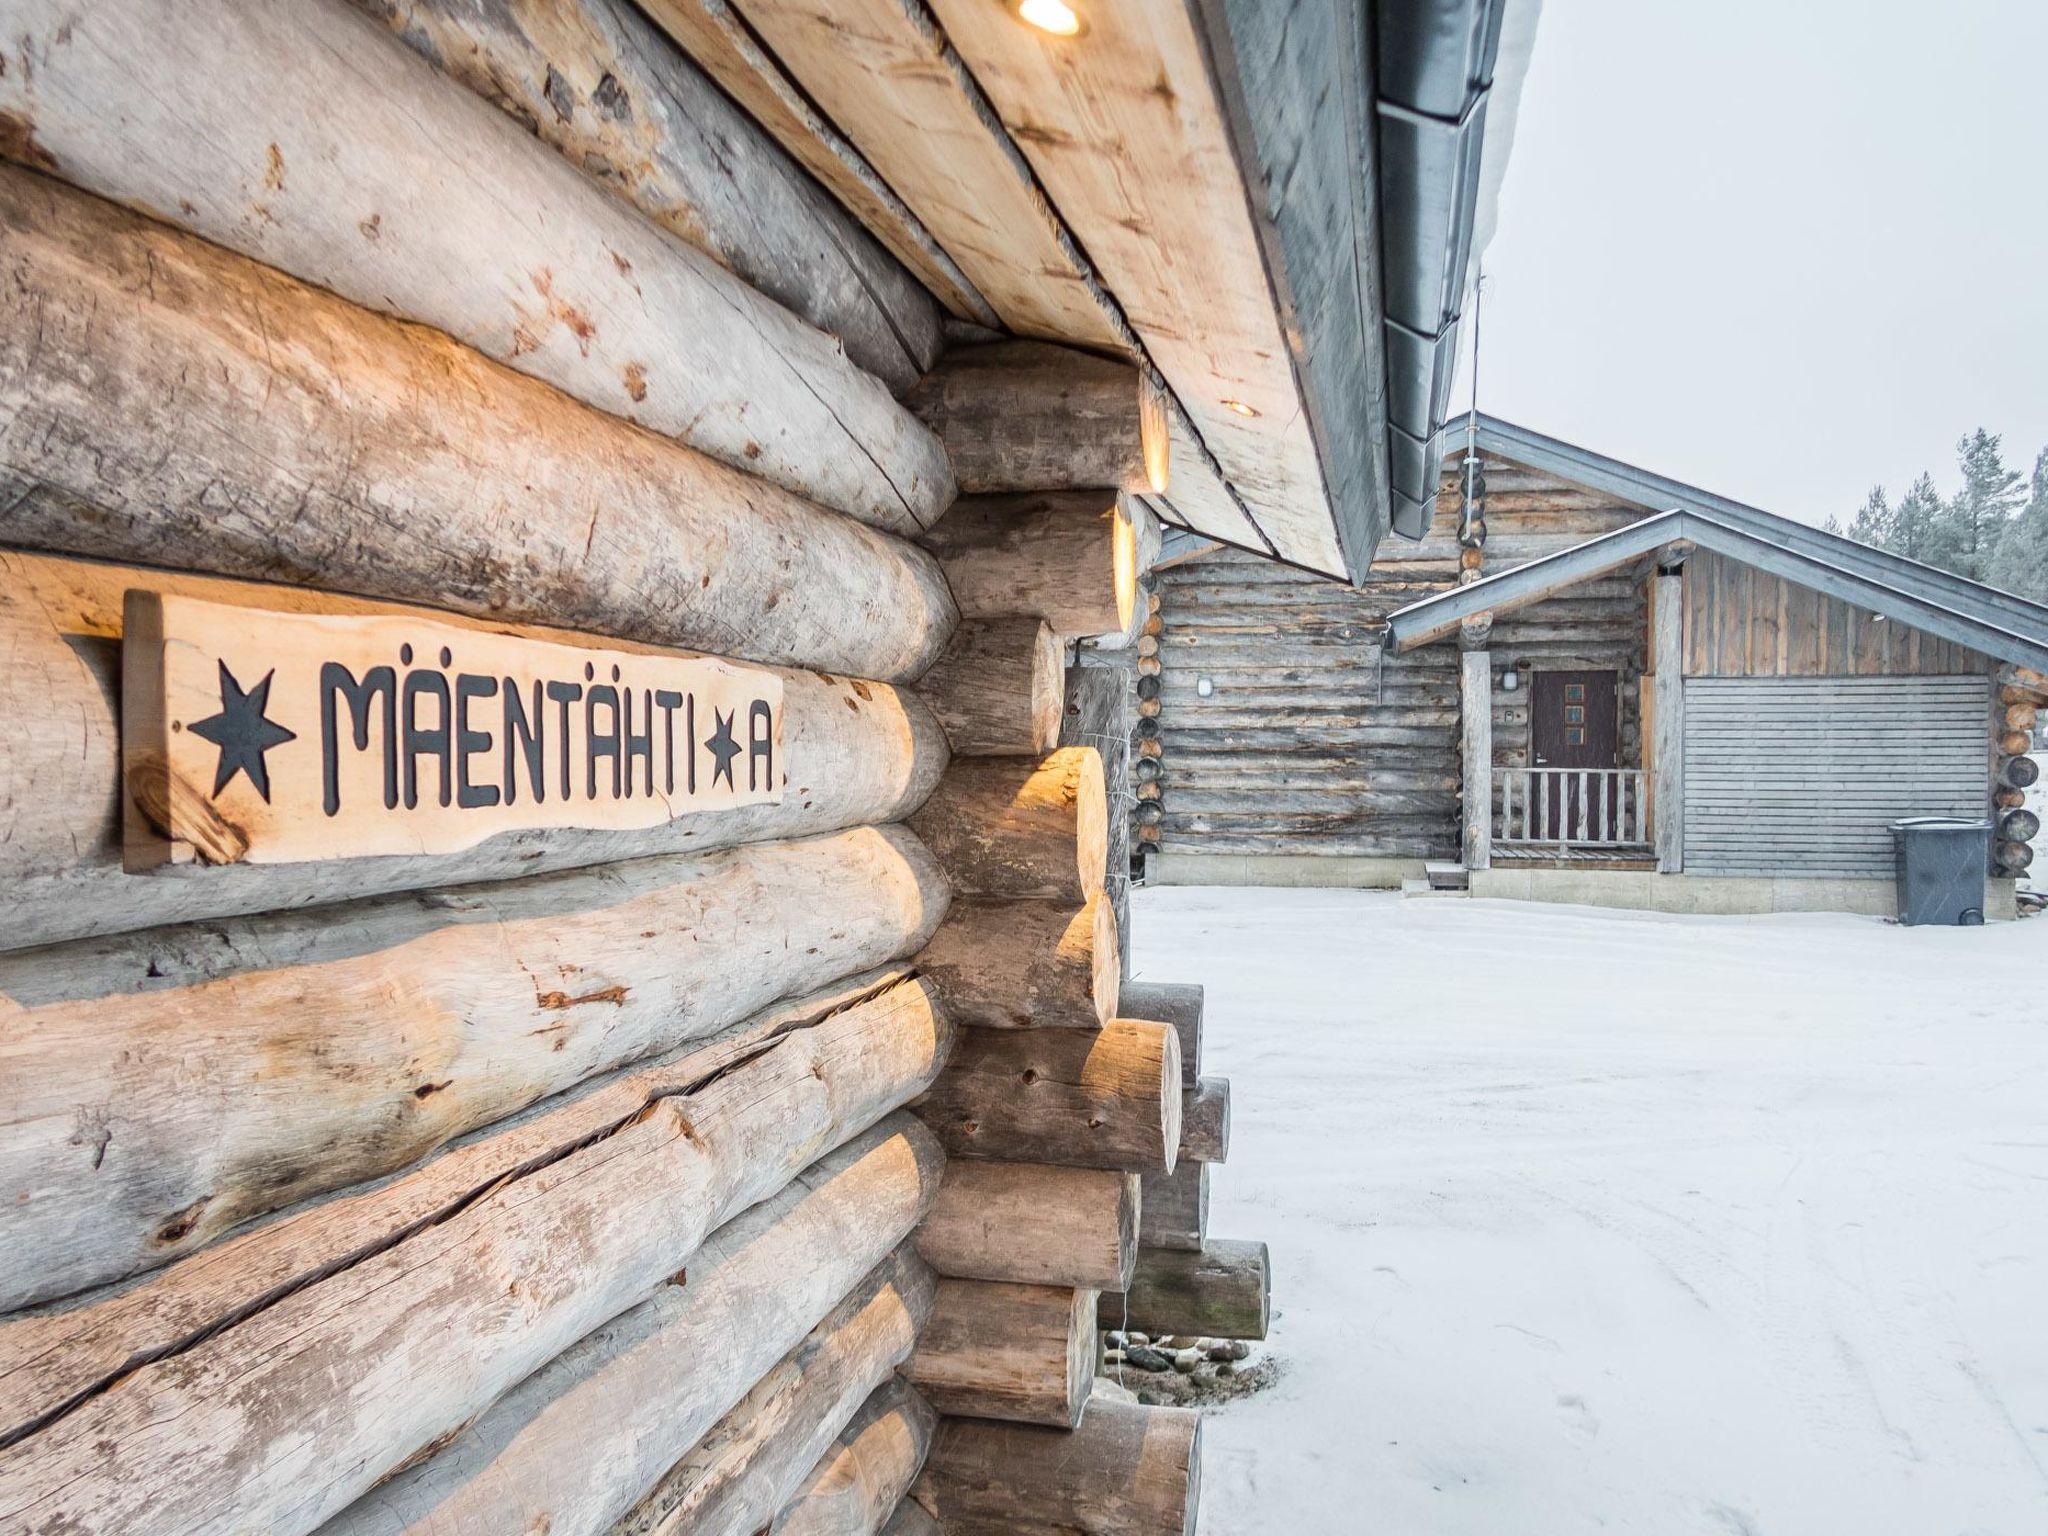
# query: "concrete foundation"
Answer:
x=1729 y=895
x=1344 y=871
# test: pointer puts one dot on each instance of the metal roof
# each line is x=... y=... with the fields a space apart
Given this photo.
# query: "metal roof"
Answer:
x=1983 y=618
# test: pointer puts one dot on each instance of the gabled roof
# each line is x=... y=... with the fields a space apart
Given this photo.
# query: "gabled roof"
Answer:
x=1998 y=623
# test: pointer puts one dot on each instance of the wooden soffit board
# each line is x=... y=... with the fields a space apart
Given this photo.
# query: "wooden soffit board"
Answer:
x=1124 y=128
x=1018 y=152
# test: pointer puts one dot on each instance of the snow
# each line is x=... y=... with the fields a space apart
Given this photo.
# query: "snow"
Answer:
x=1597 y=1221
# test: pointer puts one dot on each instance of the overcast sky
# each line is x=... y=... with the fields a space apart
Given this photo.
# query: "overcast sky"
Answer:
x=1780 y=249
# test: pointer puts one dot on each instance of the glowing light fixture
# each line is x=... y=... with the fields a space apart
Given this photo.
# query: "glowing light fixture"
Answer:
x=1240 y=407
x=1054 y=16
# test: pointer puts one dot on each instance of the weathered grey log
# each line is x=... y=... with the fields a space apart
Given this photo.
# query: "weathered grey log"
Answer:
x=1173 y=1208
x=754 y=1460
x=53 y=1357
x=857 y=753
x=998 y=687
x=2019 y=772
x=1070 y=557
x=178 y=405
x=169 y=1085
x=302 y=134
x=1103 y=1100
x=1223 y=1291
x=1175 y=1003
x=1034 y=1224
x=1205 y=1121
x=2015 y=856
x=1125 y=1471
x=1025 y=1353
x=1021 y=826
x=911 y=1520
x=371 y=1366
x=858 y=1482
x=596 y=80
x=1098 y=714
x=573 y=1447
x=1003 y=964
x=1032 y=416
x=2019 y=826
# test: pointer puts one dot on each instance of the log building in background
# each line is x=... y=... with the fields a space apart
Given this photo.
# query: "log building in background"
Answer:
x=562 y=886
x=1598 y=685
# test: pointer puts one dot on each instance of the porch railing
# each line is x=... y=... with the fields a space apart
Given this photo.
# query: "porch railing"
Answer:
x=1572 y=807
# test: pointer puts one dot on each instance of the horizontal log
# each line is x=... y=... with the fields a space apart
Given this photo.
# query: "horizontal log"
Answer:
x=1001 y=964
x=2014 y=855
x=858 y=1482
x=595 y=80
x=1205 y=1121
x=373 y=457
x=1070 y=557
x=2019 y=772
x=2021 y=717
x=1034 y=1224
x=2019 y=826
x=573 y=1448
x=857 y=752
x=1031 y=416
x=53 y=1358
x=226 y=1071
x=1125 y=1471
x=998 y=688
x=755 y=1459
x=1024 y=1353
x=1224 y=1291
x=331 y=151
x=2016 y=743
x=1086 y=1100
x=1178 y=1004
x=1021 y=826
x=911 y=1520
x=373 y=1365
x=1173 y=1210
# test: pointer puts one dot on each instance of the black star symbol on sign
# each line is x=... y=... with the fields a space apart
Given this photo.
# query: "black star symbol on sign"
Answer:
x=242 y=733
x=722 y=746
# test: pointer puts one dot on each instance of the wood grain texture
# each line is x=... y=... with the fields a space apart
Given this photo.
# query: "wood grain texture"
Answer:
x=304 y=135
x=1033 y=1224
x=178 y=405
x=621 y=102
x=574 y=1446
x=1177 y=1004
x=1087 y=1100
x=1222 y=1290
x=55 y=1356
x=1177 y=244
x=857 y=1483
x=998 y=688
x=728 y=50
x=755 y=1459
x=1174 y=1208
x=1126 y=1470
x=932 y=137
x=1029 y=416
x=1023 y=1353
x=1071 y=557
x=278 y=1422
x=1205 y=1121
x=858 y=753
x=224 y=1071
x=1027 y=827
x=1000 y=963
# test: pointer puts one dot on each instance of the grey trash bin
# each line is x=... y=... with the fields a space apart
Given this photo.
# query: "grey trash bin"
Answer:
x=1942 y=865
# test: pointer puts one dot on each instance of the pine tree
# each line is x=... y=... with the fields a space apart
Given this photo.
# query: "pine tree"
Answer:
x=1874 y=523
x=1917 y=523
x=2021 y=562
x=1964 y=535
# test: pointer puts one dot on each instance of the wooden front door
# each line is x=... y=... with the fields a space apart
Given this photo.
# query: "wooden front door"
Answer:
x=1574 y=722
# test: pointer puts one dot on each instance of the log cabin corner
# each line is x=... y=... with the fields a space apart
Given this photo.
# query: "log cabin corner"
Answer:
x=566 y=792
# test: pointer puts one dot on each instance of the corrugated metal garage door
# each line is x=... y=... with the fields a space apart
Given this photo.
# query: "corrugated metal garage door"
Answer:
x=1803 y=775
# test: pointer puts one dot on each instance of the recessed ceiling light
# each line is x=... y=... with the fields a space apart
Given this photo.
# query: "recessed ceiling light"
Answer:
x=1240 y=407
x=1054 y=16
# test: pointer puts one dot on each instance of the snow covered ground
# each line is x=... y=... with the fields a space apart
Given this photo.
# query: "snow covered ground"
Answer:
x=1593 y=1221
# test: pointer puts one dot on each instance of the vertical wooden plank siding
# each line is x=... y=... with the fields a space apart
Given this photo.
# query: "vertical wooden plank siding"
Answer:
x=1475 y=696
x=1668 y=756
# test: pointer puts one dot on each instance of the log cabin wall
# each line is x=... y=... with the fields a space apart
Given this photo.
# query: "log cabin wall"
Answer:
x=568 y=1180
x=1314 y=740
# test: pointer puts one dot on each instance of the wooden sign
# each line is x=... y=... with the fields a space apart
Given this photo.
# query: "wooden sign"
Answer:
x=279 y=737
